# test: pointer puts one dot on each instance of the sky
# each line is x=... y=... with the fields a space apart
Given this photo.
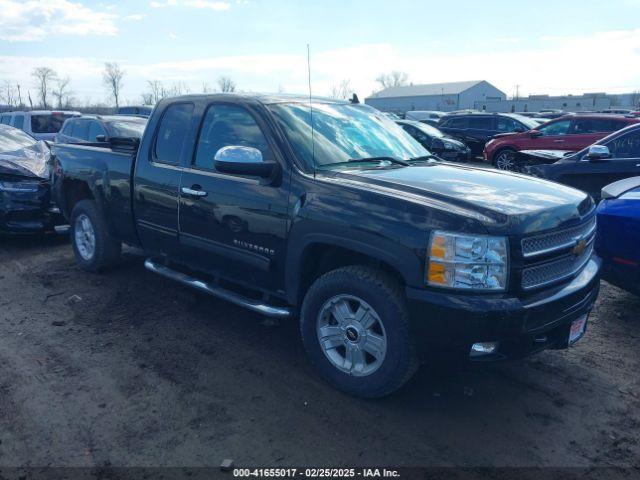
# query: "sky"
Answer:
x=537 y=47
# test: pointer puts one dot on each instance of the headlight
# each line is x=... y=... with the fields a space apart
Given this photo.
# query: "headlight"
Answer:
x=467 y=261
x=19 y=187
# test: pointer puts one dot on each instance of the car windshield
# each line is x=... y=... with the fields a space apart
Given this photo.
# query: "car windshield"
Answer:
x=429 y=130
x=12 y=139
x=48 y=122
x=128 y=129
x=529 y=122
x=342 y=133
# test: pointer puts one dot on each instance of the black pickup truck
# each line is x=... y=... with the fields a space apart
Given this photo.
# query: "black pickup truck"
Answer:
x=329 y=212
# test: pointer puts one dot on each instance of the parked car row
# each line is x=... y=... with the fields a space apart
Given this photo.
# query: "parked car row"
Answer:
x=26 y=206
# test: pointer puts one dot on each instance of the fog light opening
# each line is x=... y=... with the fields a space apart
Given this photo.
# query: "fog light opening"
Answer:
x=483 y=348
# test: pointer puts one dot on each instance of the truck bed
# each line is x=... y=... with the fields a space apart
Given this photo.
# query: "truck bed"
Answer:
x=108 y=174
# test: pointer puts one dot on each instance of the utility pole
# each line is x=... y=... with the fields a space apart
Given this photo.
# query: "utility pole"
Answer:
x=517 y=92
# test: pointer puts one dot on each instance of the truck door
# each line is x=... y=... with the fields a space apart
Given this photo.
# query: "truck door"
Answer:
x=233 y=224
x=591 y=175
x=157 y=180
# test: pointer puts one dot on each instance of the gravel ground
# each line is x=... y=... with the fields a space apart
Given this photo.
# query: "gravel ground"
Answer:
x=129 y=369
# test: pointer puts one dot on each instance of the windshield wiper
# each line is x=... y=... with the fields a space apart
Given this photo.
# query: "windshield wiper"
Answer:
x=423 y=158
x=378 y=159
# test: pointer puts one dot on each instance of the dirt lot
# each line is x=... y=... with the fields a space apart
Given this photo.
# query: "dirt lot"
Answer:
x=127 y=368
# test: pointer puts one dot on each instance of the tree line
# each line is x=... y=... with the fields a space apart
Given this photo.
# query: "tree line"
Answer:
x=52 y=90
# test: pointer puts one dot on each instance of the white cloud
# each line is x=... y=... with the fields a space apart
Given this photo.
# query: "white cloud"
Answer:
x=173 y=36
x=33 y=20
x=136 y=17
x=201 y=4
x=218 y=6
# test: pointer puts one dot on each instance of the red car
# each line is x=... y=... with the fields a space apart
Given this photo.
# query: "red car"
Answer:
x=570 y=133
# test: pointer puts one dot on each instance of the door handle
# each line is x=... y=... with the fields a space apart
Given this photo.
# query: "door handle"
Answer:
x=193 y=193
x=558 y=141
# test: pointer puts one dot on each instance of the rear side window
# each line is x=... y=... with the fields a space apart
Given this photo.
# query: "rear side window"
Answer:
x=596 y=125
x=18 y=121
x=172 y=133
x=68 y=128
x=455 y=123
x=226 y=125
x=5 y=119
x=48 y=123
x=481 y=123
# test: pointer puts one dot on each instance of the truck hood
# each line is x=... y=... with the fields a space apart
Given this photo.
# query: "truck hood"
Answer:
x=504 y=202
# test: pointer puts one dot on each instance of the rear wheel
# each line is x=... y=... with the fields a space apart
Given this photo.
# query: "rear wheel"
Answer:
x=505 y=159
x=93 y=247
x=355 y=329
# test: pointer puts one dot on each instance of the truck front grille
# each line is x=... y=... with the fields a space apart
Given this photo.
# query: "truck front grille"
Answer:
x=565 y=253
x=558 y=240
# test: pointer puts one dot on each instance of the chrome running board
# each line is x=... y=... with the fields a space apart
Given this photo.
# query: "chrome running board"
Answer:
x=217 y=291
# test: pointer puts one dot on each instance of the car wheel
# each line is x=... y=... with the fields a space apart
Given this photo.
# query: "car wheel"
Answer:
x=505 y=159
x=93 y=247
x=355 y=328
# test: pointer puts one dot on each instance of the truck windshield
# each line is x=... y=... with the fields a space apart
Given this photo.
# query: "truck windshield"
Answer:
x=342 y=133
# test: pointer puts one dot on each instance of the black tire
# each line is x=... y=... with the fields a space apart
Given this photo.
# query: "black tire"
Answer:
x=107 y=249
x=509 y=152
x=386 y=297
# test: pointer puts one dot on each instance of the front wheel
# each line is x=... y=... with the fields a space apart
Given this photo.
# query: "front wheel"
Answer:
x=505 y=159
x=355 y=329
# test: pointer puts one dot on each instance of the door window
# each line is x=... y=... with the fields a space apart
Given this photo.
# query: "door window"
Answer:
x=95 y=129
x=626 y=146
x=18 y=121
x=506 y=124
x=556 y=128
x=172 y=134
x=226 y=125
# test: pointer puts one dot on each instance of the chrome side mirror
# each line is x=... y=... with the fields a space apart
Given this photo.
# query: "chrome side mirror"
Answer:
x=240 y=160
x=598 y=152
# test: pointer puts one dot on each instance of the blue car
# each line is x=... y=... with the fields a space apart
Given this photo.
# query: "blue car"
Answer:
x=619 y=234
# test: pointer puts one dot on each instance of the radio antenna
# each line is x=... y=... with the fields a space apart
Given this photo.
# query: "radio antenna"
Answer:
x=313 y=142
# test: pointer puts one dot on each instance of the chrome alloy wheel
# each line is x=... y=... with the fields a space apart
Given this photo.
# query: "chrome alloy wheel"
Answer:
x=351 y=335
x=85 y=237
x=505 y=161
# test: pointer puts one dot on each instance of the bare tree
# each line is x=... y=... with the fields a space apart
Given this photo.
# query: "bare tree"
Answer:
x=44 y=77
x=155 y=92
x=393 y=79
x=8 y=94
x=226 y=85
x=112 y=78
x=341 y=90
x=62 y=92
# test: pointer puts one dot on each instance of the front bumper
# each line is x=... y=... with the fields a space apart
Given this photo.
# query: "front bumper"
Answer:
x=452 y=322
x=28 y=213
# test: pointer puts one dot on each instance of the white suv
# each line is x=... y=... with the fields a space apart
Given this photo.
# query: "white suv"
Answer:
x=40 y=124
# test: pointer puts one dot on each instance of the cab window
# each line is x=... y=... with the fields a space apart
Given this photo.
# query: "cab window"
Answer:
x=172 y=133
x=226 y=125
x=80 y=130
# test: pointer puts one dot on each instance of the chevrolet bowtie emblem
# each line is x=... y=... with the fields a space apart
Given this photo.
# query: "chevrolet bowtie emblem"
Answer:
x=580 y=247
